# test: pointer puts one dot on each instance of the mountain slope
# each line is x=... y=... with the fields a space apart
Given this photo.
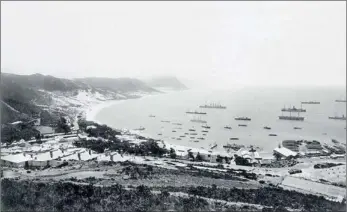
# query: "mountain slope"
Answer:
x=23 y=96
x=166 y=82
x=123 y=85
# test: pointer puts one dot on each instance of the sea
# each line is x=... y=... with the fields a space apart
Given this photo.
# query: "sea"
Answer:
x=262 y=104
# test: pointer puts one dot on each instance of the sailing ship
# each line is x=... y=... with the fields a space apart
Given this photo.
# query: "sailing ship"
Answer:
x=206 y=126
x=213 y=105
x=293 y=109
x=343 y=117
x=311 y=102
x=291 y=118
x=196 y=112
x=198 y=120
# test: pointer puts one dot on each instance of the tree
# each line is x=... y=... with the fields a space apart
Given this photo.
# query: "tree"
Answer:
x=219 y=159
x=198 y=157
x=62 y=126
x=190 y=155
x=173 y=153
x=277 y=156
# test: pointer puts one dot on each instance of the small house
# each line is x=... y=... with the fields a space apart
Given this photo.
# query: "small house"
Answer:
x=16 y=160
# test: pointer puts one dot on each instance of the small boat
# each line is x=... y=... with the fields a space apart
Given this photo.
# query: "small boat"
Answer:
x=203 y=134
x=234 y=147
x=214 y=146
x=297 y=128
x=193 y=133
x=152 y=116
x=201 y=138
x=343 y=117
x=311 y=102
x=335 y=141
x=196 y=141
x=242 y=125
x=206 y=126
x=234 y=139
x=165 y=121
x=340 y=100
x=177 y=124
x=272 y=134
x=172 y=137
x=160 y=134
x=192 y=137
x=205 y=131
x=140 y=129
x=173 y=130
x=186 y=133
x=242 y=119
x=182 y=136
x=178 y=139
x=267 y=128
x=227 y=127
x=191 y=129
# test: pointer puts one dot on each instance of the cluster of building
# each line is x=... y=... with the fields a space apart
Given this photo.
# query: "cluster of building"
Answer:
x=293 y=148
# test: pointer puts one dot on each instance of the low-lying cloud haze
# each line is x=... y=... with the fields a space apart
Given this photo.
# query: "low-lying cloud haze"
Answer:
x=215 y=44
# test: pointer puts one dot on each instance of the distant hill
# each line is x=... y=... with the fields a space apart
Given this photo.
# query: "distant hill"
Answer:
x=122 y=85
x=22 y=96
x=166 y=82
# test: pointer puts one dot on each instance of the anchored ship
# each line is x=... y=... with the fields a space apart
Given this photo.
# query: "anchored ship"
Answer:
x=242 y=119
x=293 y=109
x=206 y=126
x=343 y=117
x=291 y=118
x=213 y=105
x=311 y=102
x=196 y=112
x=198 y=120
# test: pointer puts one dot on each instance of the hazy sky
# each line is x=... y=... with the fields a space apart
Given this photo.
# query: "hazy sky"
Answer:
x=214 y=43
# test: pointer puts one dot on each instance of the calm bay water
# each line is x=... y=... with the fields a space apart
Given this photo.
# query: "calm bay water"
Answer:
x=262 y=105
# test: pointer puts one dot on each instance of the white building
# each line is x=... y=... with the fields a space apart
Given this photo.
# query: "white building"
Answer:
x=284 y=152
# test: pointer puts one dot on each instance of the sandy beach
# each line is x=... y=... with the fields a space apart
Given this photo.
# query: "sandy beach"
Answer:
x=93 y=110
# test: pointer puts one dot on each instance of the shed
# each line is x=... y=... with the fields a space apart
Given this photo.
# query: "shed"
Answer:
x=284 y=152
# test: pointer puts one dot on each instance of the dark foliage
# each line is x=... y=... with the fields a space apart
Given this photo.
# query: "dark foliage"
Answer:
x=58 y=196
x=274 y=197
